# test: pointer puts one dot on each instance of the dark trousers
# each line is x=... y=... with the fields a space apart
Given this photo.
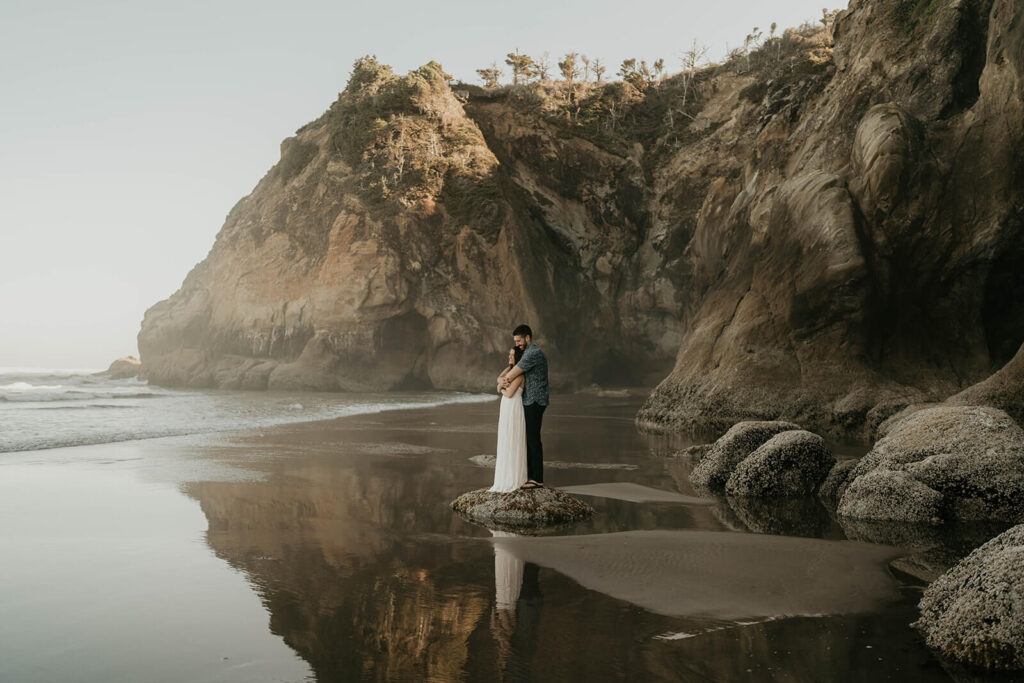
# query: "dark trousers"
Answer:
x=534 y=414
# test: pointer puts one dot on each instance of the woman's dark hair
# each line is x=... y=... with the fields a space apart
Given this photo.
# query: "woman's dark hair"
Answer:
x=518 y=354
x=522 y=331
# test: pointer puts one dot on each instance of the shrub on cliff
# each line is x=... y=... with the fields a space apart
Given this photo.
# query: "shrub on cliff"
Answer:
x=792 y=55
x=403 y=135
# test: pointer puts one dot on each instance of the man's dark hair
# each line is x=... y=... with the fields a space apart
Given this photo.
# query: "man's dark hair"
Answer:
x=522 y=331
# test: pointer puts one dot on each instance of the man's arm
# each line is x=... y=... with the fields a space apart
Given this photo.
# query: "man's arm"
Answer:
x=511 y=361
x=500 y=382
x=524 y=365
x=513 y=373
x=510 y=390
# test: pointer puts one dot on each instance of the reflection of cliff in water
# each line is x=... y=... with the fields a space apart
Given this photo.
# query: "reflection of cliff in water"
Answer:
x=356 y=580
x=344 y=584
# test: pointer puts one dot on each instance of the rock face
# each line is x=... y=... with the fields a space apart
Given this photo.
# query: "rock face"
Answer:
x=390 y=249
x=941 y=463
x=123 y=368
x=523 y=509
x=792 y=463
x=974 y=613
x=819 y=232
x=742 y=439
x=848 y=270
x=1003 y=390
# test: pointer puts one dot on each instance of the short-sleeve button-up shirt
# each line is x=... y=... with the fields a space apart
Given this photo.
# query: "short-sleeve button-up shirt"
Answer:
x=534 y=365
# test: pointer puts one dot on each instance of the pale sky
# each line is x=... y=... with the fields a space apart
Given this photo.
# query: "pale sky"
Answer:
x=129 y=129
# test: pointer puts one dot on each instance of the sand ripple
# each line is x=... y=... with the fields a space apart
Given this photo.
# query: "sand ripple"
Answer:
x=720 y=575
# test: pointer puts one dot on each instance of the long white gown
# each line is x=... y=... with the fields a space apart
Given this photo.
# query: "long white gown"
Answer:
x=510 y=465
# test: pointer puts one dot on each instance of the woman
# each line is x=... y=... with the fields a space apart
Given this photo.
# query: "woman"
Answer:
x=510 y=466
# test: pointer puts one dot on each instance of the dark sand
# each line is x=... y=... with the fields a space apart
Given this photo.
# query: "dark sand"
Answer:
x=327 y=551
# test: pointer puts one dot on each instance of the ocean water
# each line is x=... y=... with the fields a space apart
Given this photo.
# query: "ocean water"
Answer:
x=52 y=408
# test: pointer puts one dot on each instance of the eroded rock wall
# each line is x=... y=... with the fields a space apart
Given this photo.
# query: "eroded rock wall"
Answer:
x=864 y=263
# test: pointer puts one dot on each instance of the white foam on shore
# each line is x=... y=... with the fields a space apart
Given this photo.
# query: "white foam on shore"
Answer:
x=58 y=419
x=49 y=371
x=25 y=386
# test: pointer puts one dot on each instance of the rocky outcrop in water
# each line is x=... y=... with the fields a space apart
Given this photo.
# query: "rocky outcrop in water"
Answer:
x=742 y=439
x=792 y=463
x=523 y=509
x=940 y=463
x=123 y=368
x=892 y=496
x=819 y=233
x=974 y=613
x=764 y=459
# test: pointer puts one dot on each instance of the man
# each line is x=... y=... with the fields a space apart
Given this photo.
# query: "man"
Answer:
x=533 y=364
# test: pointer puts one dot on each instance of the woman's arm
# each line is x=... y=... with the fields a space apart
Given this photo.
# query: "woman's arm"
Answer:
x=510 y=390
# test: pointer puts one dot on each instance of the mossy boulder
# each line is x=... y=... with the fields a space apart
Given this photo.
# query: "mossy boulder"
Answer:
x=957 y=463
x=974 y=613
x=891 y=495
x=792 y=463
x=525 y=508
x=835 y=483
x=742 y=439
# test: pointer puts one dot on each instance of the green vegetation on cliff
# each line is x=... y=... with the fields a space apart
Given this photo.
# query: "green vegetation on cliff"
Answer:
x=407 y=137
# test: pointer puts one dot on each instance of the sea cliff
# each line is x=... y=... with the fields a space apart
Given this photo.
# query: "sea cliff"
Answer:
x=824 y=231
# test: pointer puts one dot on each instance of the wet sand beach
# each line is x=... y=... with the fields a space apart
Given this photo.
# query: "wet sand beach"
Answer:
x=326 y=551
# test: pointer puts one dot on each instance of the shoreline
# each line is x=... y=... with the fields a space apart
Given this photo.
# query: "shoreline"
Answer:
x=361 y=404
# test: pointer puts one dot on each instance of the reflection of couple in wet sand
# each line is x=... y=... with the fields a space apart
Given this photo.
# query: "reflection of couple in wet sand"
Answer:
x=517 y=601
x=524 y=390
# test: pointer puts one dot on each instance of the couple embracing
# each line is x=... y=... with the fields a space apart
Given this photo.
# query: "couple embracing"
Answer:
x=524 y=396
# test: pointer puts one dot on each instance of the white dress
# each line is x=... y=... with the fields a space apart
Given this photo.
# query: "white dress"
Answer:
x=510 y=466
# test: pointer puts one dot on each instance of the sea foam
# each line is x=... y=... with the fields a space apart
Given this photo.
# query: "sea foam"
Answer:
x=39 y=411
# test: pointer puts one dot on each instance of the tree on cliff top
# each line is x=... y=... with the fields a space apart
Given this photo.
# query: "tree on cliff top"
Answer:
x=522 y=66
x=569 y=67
x=368 y=74
x=490 y=76
x=542 y=68
x=692 y=61
x=641 y=76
